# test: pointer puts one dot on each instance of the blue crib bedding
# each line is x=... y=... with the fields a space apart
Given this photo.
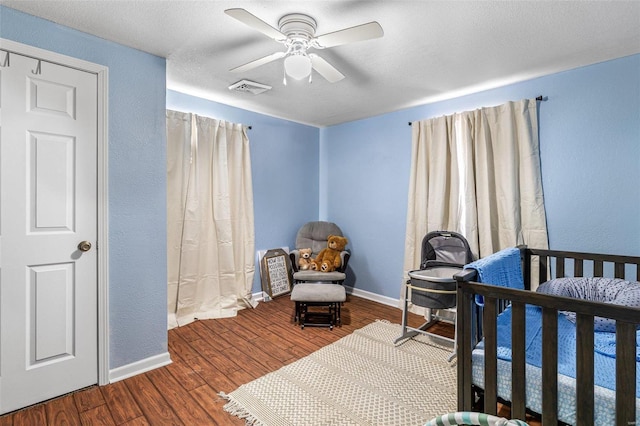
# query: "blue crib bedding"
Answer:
x=604 y=347
x=501 y=268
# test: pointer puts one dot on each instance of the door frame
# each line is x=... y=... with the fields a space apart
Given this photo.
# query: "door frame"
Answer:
x=102 y=244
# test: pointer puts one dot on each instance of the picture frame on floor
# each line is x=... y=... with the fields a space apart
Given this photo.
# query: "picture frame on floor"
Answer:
x=276 y=273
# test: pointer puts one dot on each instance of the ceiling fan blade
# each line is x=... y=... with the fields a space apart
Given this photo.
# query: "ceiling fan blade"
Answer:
x=350 y=35
x=325 y=69
x=256 y=23
x=258 y=62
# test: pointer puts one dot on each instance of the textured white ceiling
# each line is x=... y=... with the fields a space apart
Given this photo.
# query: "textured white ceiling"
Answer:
x=431 y=50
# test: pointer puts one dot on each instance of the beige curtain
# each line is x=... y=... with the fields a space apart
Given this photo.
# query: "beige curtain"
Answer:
x=210 y=234
x=508 y=180
x=477 y=173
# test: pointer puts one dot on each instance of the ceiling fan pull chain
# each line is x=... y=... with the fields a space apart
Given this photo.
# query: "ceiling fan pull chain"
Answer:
x=284 y=73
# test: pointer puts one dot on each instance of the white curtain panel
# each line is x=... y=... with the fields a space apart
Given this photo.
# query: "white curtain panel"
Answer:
x=476 y=173
x=210 y=234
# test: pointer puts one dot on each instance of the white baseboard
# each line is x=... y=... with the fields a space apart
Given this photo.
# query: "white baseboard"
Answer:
x=389 y=301
x=139 y=367
x=259 y=296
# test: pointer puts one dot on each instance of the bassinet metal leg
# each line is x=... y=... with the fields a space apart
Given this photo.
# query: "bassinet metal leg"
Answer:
x=404 y=333
x=404 y=314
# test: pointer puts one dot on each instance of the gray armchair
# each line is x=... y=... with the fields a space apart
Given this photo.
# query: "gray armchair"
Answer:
x=314 y=235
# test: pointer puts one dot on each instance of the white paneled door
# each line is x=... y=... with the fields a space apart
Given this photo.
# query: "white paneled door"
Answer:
x=48 y=231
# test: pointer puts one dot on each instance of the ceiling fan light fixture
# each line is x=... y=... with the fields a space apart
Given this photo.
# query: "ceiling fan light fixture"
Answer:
x=297 y=66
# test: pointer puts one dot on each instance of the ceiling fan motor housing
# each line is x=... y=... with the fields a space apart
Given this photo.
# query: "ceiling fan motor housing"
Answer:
x=298 y=26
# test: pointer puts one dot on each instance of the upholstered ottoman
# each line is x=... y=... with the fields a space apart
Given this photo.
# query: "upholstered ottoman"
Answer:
x=327 y=297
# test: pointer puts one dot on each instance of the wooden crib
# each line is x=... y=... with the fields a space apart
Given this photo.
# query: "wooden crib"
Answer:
x=476 y=324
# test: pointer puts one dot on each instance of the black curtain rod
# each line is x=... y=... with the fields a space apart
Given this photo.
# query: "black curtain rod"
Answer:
x=539 y=98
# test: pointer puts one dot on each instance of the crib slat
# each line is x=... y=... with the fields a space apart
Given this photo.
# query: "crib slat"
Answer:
x=490 y=356
x=464 y=312
x=619 y=270
x=625 y=373
x=559 y=266
x=518 y=393
x=526 y=268
x=597 y=268
x=550 y=366
x=542 y=272
x=577 y=268
x=584 y=370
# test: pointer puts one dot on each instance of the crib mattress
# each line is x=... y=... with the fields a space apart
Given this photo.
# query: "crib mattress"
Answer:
x=605 y=399
x=604 y=367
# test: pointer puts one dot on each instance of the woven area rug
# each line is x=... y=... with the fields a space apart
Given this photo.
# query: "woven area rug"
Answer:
x=362 y=379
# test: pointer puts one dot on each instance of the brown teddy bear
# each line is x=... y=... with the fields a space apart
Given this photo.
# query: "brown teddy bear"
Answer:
x=329 y=259
x=304 y=260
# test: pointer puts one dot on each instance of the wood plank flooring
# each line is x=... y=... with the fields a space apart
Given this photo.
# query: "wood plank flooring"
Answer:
x=209 y=356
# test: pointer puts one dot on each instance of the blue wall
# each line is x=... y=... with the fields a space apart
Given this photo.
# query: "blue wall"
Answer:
x=284 y=167
x=590 y=153
x=137 y=181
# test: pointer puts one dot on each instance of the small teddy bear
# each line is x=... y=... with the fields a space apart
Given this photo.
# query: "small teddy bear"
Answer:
x=304 y=260
x=329 y=259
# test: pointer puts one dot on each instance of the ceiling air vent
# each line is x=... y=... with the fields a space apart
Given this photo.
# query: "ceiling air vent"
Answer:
x=249 y=86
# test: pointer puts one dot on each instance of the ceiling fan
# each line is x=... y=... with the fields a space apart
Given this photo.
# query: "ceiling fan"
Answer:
x=297 y=33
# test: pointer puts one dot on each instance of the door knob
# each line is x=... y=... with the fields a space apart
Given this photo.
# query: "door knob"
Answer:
x=84 y=246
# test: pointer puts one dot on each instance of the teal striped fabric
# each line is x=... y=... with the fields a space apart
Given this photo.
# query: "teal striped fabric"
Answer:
x=471 y=418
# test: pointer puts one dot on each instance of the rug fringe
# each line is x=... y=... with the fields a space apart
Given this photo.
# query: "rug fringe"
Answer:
x=235 y=409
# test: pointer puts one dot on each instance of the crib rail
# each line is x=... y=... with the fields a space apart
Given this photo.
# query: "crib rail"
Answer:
x=584 y=264
x=470 y=326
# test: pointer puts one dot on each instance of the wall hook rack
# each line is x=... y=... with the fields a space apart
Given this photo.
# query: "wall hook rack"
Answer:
x=5 y=63
x=38 y=69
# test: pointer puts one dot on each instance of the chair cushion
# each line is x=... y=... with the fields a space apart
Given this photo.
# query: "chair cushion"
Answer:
x=314 y=235
x=318 y=276
x=318 y=293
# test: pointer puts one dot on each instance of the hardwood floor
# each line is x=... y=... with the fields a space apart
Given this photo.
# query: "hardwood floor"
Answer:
x=209 y=356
